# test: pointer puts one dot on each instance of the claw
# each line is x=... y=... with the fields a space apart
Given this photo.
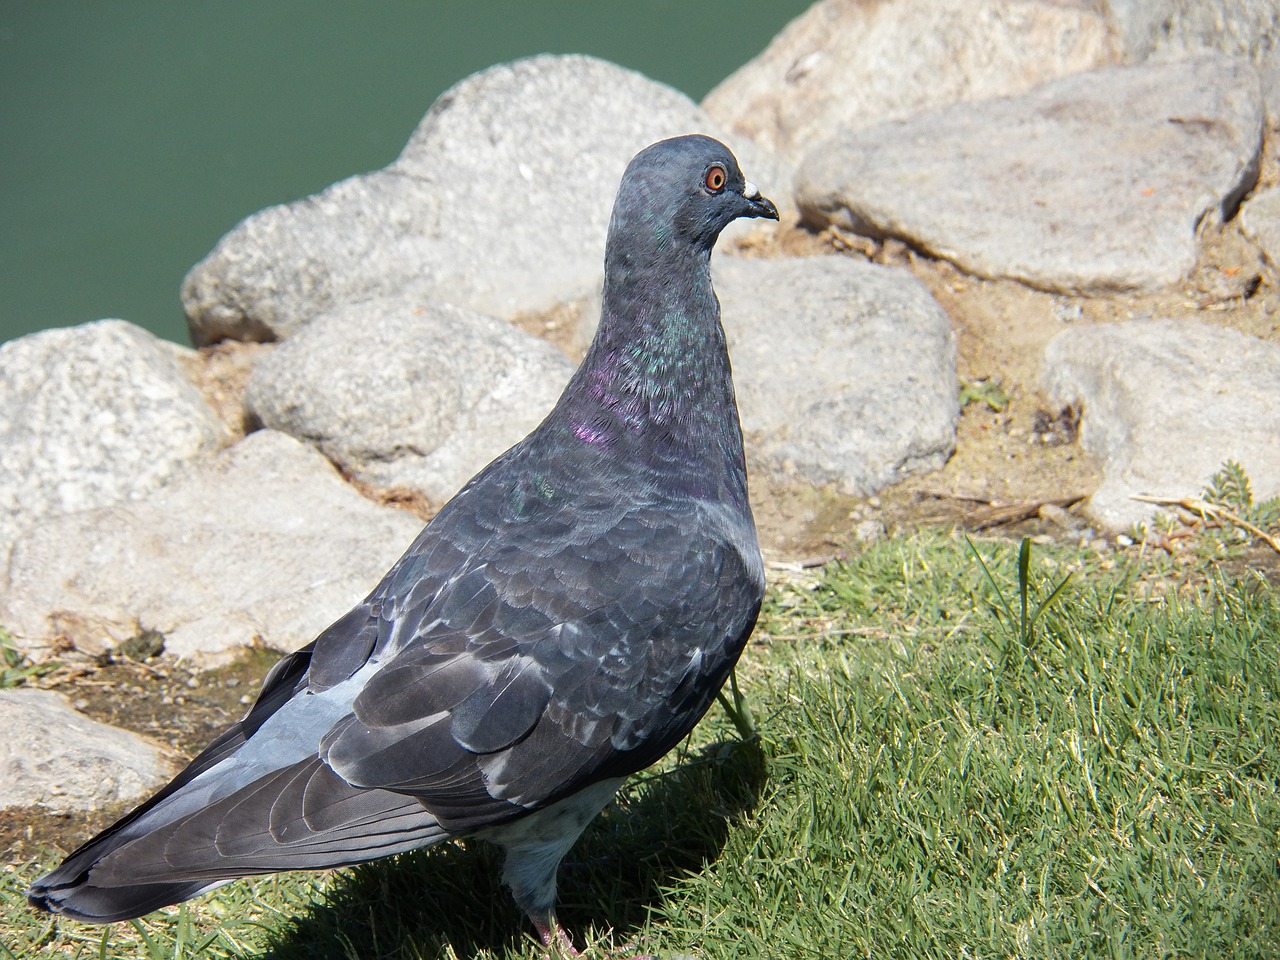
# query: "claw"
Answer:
x=555 y=938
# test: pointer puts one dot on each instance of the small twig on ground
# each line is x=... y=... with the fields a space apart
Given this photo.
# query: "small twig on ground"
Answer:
x=800 y=566
x=1213 y=510
x=996 y=515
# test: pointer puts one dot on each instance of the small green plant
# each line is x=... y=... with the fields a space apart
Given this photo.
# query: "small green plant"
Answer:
x=1231 y=488
x=16 y=667
x=739 y=712
x=1225 y=516
x=1022 y=624
x=1227 y=511
x=989 y=392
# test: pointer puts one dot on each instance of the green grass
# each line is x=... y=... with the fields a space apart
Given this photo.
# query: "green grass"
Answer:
x=16 y=667
x=935 y=776
x=1109 y=791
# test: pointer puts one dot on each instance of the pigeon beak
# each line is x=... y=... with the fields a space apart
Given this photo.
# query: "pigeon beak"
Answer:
x=757 y=206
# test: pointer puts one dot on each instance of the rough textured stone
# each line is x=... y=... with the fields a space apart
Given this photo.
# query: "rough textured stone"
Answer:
x=1088 y=184
x=264 y=543
x=1260 y=219
x=57 y=758
x=1164 y=403
x=847 y=64
x=1164 y=29
x=93 y=415
x=402 y=395
x=499 y=202
x=845 y=371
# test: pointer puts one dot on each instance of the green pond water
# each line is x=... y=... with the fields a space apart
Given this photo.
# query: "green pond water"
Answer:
x=135 y=133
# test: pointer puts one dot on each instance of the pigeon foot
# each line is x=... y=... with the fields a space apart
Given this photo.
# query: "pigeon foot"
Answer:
x=555 y=938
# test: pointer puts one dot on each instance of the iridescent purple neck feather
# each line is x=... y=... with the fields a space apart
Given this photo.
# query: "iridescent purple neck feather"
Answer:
x=655 y=389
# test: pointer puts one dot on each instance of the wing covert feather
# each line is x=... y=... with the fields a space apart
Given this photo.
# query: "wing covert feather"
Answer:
x=539 y=635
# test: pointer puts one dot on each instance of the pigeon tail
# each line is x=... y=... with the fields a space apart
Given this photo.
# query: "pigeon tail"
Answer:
x=90 y=904
x=269 y=826
x=246 y=805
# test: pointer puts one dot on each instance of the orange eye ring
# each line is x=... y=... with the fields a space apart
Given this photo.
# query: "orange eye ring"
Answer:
x=716 y=178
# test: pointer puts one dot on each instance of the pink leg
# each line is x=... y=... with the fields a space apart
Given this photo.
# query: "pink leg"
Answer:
x=554 y=937
x=559 y=944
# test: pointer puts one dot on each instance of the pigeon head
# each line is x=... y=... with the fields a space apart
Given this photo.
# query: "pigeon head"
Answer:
x=655 y=387
x=686 y=189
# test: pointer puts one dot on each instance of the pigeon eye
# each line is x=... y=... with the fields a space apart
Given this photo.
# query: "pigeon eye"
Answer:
x=716 y=178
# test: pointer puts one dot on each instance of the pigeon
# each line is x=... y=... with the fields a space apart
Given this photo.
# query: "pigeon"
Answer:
x=562 y=623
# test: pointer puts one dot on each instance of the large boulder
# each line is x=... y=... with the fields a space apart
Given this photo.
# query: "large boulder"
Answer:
x=1090 y=184
x=847 y=64
x=93 y=414
x=264 y=543
x=1167 y=29
x=409 y=396
x=498 y=203
x=57 y=758
x=1163 y=404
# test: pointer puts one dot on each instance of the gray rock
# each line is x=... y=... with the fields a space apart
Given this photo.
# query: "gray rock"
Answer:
x=869 y=531
x=62 y=761
x=1164 y=403
x=1235 y=27
x=847 y=64
x=845 y=371
x=402 y=395
x=499 y=203
x=93 y=414
x=1260 y=220
x=264 y=543
x=1147 y=27
x=1089 y=184
x=1164 y=29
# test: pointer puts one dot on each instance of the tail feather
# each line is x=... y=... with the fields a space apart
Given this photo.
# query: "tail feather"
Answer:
x=281 y=682
x=263 y=827
x=107 y=904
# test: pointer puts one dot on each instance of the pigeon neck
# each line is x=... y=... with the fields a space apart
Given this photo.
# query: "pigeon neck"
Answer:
x=656 y=386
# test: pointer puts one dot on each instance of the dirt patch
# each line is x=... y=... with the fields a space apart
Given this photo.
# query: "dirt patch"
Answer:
x=559 y=325
x=221 y=374
x=176 y=704
x=402 y=498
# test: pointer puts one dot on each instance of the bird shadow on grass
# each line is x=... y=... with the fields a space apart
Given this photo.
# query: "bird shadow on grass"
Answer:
x=418 y=906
